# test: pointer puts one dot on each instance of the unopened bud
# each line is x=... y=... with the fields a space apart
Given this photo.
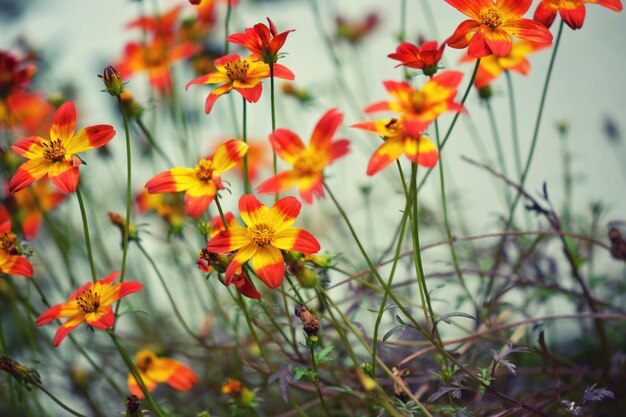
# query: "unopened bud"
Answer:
x=133 y=406
x=562 y=126
x=195 y=2
x=120 y=222
x=618 y=244
x=112 y=81
x=485 y=92
x=323 y=261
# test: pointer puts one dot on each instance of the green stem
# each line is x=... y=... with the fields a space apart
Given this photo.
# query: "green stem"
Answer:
x=316 y=382
x=128 y=191
x=273 y=107
x=153 y=143
x=221 y=211
x=446 y=222
x=456 y=117
x=59 y=402
x=246 y=174
x=533 y=142
x=498 y=145
x=387 y=289
x=83 y=215
x=514 y=128
x=136 y=374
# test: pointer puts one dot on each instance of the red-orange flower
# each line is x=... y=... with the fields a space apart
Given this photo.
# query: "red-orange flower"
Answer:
x=418 y=108
x=202 y=182
x=242 y=75
x=11 y=261
x=308 y=162
x=156 y=58
x=28 y=110
x=155 y=370
x=492 y=66
x=261 y=40
x=30 y=205
x=268 y=232
x=492 y=25
x=160 y=26
x=420 y=150
x=572 y=11
x=425 y=57
x=91 y=304
x=15 y=74
x=355 y=31
x=56 y=157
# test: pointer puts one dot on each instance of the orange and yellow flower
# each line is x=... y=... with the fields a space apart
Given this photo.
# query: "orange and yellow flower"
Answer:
x=268 y=232
x=425 y=57
x=91 y=304
x=11 y=261
x=308 y=162
x=32 y=203
x=202 y=182
x=572 y=11
x=168 y=206
x=156 y=57
x=242 y=75
x=493 y=24
x=56 y=157
x=155 y=370
x=27 y=110
x=262 y=40
x=420 y=150
x=418 y=108
x=492 y=66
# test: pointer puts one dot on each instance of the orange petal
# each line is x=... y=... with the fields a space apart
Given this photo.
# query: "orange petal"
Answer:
x=29 y=172
x=325 y=129
x=237 y=262
x=17 y=265
x=463 y=34
x=67 y=327
x=89 y=138
x=269 y=265
x=286 y=144
x=228 y=154
x=102 y=319
x=64 y=122
x=498 y=41
x=384 y=155
x=284 y=213
x=296 y=239
x=251 y=210
x=229 y=240
x=279 y=183
x=421 y=151
x=172 y=180
x=64 y=175
x=29 y=147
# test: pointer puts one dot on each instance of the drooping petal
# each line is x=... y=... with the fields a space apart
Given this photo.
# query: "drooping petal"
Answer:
x=421 y=151
x=386 y=153
x=573 y=14
x=229 y=154
x=284 y=213
x=67 y=327
x=281 y=71
x=172 y=180
x=286 y=144
x=237 y=261
x=198 y=197
x=17 y=265
x=269 y=265
x=229 y=240
x=296 y=239
x=251 y=94
x=499 y=41
x=29 y=172
x=325 y=129
x=245 y=286
x=251 y=210
x=463 y=34
x=545 y=13
x=89 y=138
x=64 y=175
x=64 y=122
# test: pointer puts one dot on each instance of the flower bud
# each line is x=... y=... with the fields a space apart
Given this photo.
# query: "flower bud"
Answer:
x=120 y=222
x=133 y=406
x=310 y=323
x=485 y=92
x=112 y=81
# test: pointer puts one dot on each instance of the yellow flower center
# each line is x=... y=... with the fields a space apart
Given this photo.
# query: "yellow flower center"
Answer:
x=144 y=360
x=261 y=234
x=88 y=301
x=8 y=243
x=237 y=70
x=491 y=17
x=53 y=150
x=418 y=101
x=204 y=170
x=308 y=163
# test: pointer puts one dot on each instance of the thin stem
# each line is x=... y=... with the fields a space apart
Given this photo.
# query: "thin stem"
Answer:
x=246 y=174
x=273 y=107
x=514 y=130
x=456 y=117
x=59 y=402
x=152 y=142
x=83 y=215
x=498 y=145
x=316 y=381
x=446 y=222
x=221 y=211
x=533 y=142
x=136 y=374
x=128 y=191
